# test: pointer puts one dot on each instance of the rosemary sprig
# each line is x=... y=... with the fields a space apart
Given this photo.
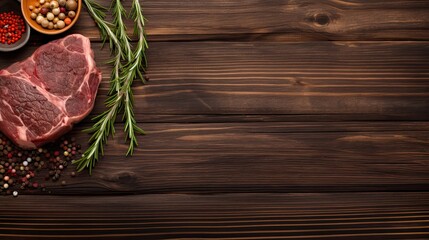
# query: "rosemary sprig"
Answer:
x=119 y=13
x=120 y=30
x=139 y=52
x=134 y=70
x=104 y=126
x=98 y=13
x=120 y=92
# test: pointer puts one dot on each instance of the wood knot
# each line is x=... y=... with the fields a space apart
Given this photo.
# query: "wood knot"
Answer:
x=298 y=82
x=123 y=178
x=321 y=19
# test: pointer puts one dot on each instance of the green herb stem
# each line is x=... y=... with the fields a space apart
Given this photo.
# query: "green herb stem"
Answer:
x=135 y=70
x=123 y=74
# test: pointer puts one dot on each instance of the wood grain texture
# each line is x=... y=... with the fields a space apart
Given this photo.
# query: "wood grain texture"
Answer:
x=224 y=216
x=277 y=20
x=364 y=79
x=262 y=157
x=266 y=119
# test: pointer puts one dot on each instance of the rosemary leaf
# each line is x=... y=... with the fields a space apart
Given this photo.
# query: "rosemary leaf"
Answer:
x=122 y=76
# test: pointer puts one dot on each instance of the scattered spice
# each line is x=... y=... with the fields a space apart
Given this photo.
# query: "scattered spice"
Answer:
x=11 y=27
x=22 y=170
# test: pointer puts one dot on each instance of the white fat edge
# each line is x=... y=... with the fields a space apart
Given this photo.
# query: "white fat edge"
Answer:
x=22 y=130
x=6 y=72
x=1 y=118
x=11 y=109
x=91 y=68
x=7 y=104
x=25 y=144
x=91 y=63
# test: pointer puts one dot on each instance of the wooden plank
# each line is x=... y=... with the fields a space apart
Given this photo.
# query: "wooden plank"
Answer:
x=228 y=216
x=287 y=20
x=293 y=20
x=360 y=79
x=295 y=78
x=261 y=157
x=265 y=116
x=287 y=78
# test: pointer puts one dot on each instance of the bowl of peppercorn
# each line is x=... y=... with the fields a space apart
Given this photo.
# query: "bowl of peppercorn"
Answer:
x=14 y=31
x=51 y=16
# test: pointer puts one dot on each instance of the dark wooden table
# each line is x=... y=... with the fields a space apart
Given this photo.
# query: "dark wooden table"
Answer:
x=266 y=119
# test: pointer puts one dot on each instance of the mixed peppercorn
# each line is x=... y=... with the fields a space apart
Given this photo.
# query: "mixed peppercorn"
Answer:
x=12 y=27
x=53 y=14
x=31 y=169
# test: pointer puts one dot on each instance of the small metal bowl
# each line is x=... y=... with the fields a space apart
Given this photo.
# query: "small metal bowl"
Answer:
x=15 y=6
x=33 y=24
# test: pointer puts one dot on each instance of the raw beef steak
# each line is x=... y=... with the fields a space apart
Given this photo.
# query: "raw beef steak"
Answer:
x=43 y=96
